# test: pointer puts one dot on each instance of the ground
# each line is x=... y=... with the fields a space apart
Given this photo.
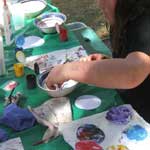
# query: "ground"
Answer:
x=84 y=11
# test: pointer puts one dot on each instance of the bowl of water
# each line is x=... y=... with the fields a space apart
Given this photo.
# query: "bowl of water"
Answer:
x=63 y=90
x=47 y=22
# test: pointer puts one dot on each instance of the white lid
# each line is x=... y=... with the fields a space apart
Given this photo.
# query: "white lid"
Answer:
x=88 y=102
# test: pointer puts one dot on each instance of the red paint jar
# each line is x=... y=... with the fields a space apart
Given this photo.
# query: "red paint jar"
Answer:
x=63 y=34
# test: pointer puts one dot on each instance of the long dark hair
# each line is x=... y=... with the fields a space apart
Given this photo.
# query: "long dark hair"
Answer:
x=125 y=12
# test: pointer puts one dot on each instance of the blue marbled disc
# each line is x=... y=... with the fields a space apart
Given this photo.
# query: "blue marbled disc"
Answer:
x=136 y=132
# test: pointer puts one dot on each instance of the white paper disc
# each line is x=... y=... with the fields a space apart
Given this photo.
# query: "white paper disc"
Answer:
x=88 y=102
x=32 y=41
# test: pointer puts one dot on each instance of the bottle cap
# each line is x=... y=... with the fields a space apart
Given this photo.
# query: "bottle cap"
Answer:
x=18 y=49
x=20 y=56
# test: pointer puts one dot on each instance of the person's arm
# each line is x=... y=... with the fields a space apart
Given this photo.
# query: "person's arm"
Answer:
x=108 y=73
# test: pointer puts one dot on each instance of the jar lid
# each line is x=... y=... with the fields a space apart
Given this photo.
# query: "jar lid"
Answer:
x=20 y=56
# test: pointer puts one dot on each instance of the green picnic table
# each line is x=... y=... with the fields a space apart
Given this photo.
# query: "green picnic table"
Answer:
x=84 y=36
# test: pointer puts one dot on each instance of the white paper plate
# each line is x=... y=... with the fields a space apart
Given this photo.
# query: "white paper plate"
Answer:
x=87 y=102
x=32 y=41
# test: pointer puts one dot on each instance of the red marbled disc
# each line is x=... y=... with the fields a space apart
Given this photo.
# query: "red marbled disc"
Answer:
x=87 y=145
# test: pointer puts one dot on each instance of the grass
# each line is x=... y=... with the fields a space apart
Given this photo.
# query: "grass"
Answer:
x=85 y=11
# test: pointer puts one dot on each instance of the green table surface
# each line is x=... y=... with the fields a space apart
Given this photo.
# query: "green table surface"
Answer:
x=36 y=97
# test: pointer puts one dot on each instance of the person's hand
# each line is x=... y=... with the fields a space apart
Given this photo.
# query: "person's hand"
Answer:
x=94 y=57
x=56 y=76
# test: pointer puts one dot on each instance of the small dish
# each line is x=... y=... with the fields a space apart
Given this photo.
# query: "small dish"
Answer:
x=47 y=21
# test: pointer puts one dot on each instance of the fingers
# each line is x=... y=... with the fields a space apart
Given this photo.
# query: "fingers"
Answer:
x=55 y=78
x=49 y=84
x=94 y=57
x=56 y=86
x=85 y=59
x=97 y=57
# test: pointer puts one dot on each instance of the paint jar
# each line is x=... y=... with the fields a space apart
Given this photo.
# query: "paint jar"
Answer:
x=31 y=81
x=63 y=35
x=19 y=69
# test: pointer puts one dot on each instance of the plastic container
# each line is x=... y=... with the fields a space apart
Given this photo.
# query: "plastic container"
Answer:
x=7 y=24
x=17 y=16
x=2 y=60
x=76 y=26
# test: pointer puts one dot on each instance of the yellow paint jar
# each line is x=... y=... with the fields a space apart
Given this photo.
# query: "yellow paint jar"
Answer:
x=19 y=69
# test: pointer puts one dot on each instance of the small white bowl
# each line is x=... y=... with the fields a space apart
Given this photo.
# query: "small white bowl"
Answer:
x=32 y=8
x=64 y=90
x=47 y=21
